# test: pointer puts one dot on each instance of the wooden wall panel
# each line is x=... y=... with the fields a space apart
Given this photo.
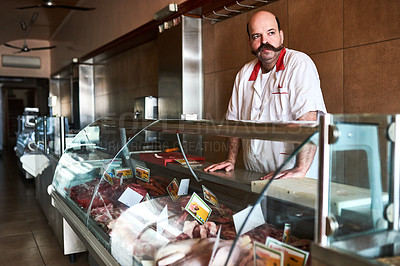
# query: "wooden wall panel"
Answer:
x=369 y=21
x=315 y=26
x=371 y=78
x=330 y=69
x=354 y=44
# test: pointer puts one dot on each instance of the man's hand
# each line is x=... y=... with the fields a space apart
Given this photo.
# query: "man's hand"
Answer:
x=290 y=173
x=228 y=165
x=303 y=159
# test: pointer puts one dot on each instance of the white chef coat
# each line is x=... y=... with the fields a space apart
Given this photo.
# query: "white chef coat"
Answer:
x=290 y=90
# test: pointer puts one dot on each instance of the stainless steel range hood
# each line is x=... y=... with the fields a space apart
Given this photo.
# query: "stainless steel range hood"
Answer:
x=180 y=83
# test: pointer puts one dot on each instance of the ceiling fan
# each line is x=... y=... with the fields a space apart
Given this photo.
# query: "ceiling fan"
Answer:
x=26 y=29
x=51 y=4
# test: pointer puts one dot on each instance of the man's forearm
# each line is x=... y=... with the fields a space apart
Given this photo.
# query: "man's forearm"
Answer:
x=307 y=153
x=305 y=157
x=233 y=149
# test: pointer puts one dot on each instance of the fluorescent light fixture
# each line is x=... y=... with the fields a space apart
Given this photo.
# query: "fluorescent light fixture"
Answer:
x=166 y=11
x=20 y=61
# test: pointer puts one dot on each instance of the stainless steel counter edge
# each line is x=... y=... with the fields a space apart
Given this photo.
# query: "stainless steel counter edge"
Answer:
x=95 y=248
x=296 y=132
x=327 y=256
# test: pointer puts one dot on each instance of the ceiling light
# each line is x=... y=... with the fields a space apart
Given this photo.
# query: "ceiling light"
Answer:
x=166 y=12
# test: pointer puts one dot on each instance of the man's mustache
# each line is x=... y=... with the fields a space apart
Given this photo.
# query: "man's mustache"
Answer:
x=268 y=47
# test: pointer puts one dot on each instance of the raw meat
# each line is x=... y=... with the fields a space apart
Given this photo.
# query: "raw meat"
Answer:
x=199 y=252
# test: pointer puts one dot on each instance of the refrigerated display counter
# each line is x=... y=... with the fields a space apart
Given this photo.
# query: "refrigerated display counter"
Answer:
x=24 y=147
x=25 y=135
x=51 y=138
x=135 y=192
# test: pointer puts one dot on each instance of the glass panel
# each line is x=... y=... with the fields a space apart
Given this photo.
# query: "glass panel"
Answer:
x=359 y=181
x=25 y=135
x=79 y=170
x=40 y=133
x=122 y=182
x=53 y=128
x=283 y=216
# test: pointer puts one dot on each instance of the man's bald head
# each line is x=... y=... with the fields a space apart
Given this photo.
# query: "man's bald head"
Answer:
x=263 y=15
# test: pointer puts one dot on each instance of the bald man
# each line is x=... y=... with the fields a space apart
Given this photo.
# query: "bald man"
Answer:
x=279 y=85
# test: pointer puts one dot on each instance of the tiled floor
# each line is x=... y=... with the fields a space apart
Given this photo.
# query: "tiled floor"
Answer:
x=25 y=236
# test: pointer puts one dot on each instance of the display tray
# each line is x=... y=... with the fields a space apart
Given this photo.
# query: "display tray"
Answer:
x=162 y=158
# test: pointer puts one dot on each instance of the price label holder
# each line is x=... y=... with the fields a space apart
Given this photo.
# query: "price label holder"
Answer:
x=173 y=189
x=209 y=196
x=292 y=256
x=198 y=208
x=124 y=173
x=108 y=177
x=263 y=255
x=142 y=173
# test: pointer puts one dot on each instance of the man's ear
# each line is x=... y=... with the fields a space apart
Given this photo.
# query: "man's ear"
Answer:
x=281 y=34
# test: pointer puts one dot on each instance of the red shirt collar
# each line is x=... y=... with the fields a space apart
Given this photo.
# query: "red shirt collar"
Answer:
x=279 y=65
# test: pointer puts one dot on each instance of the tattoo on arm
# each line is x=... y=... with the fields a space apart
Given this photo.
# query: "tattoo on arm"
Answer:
x=233 y=149
x=307 y=153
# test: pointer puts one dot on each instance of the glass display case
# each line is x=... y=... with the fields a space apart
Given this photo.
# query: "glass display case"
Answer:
x=25 y=135
x=136 y=193
x=38 y=137
x=361 y=152
x=51 y=134
x=25 y=132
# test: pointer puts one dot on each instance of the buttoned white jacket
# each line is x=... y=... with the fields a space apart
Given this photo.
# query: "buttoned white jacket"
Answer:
x=288 y=91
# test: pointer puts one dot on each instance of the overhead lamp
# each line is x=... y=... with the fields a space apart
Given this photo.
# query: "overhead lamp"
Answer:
x=166 y=12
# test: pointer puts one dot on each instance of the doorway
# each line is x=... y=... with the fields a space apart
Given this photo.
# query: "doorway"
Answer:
x=16 y=99
x=16 y=94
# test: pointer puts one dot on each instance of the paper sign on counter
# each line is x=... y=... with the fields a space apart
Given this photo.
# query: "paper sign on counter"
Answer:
x=151 y=202
x=130 y=197
x=183 y=187
x=256 y=219
x=162 y=221
x=216 y=244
